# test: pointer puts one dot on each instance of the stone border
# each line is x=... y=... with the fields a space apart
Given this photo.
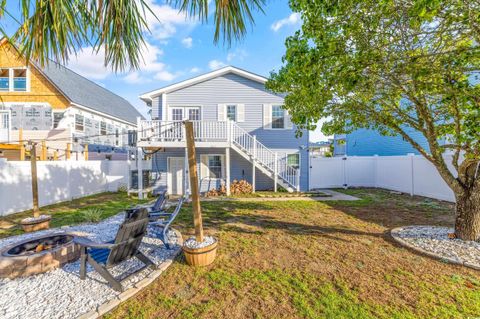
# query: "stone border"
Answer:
x=129 y=293
x=422 y=251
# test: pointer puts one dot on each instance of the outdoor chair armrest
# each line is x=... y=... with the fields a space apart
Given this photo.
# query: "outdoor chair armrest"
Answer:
x=85 y=242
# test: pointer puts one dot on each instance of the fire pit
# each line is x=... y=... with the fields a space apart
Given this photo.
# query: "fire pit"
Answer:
x=38 y=255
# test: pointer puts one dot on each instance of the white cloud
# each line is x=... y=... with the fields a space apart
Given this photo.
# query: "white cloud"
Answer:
x=216 y=64
x=168 y=19
x=187 y=42
x=90 y=64
x=164 y=76
x=194 y=70
x=239 y=54
x=292 y=19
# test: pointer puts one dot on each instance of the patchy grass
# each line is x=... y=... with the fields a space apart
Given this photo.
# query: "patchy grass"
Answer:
x=271 y=194
x=305 y=259
x=85 y=209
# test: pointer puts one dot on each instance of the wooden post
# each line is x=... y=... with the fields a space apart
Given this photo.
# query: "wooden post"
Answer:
x=55 y=155
x=33 y=164
x=43 y=155
x=192 y=167
x=67 y=152
x=275 y=178
x=227 y=170
x=22 y=146
x=85 y=151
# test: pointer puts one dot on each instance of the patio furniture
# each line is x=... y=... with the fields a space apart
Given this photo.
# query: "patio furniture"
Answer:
x=103 y=256
x=160 y=204
x=163 y=220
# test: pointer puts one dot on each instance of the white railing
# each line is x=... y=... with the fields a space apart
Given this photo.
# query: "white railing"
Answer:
x=171 y=131
x=218 y=131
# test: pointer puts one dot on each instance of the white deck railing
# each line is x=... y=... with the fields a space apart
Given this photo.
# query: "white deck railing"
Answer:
x=218 y=131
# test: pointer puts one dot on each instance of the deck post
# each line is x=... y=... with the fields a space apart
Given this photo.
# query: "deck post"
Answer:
x=254 y=158
x=43 y=155
x=85 y=152
x=22 y=146
x=227 y=170
x=68 y=151
x=55 y=155
x=275 y=178
x=140 y=172
x=185 y=178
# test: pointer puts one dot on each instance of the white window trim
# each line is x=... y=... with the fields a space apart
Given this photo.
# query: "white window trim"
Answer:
x=53 y=117
x=75 y=123
x=222 y=161
x=10 y=79
x=299 y=158
x=287 y=123
x=185 y=108
x=236 y=111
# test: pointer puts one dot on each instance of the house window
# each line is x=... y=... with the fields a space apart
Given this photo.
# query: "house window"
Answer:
x=215 y=166
x=103 y=128
x=194 y=114
x=177 y=114
x=57 y=117
x=278 y=117
x=20 y=79
x=293 y=160
x=79 y=123
x=4 y=79
x=232 y=112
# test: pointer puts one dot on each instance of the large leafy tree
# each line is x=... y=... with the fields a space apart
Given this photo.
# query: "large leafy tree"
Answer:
x=55 y=29
x=394 y=66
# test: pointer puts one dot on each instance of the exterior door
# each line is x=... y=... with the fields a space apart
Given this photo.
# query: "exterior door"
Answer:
x=4 y=126
x=176 y=169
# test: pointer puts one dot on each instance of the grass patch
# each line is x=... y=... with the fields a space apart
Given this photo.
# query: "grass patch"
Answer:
x=86 y=209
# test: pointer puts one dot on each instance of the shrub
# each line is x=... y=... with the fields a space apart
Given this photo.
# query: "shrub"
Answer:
x=92 y=215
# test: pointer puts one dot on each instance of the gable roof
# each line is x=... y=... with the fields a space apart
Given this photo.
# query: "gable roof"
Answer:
x=201 y=78
x=86 y=93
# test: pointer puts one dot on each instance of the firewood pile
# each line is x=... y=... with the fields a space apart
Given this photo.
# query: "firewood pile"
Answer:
x=236 y=188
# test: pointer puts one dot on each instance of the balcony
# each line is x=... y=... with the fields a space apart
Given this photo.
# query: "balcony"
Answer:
x=172 y=134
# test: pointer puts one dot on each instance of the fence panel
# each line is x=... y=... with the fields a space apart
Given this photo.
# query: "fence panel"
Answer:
x=411 y=174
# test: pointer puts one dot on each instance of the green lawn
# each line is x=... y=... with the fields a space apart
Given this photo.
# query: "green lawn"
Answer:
x=305 y=259
x=71 y=213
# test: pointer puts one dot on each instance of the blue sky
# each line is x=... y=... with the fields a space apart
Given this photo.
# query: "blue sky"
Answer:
x=179 y=48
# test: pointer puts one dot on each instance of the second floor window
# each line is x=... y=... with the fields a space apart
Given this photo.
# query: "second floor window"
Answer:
x=103 y=128
x=177 y=115
x=79 y=119
x=4 y=79
x=232 y=112
x=194 y=114
x=278 y=117
x=20 y=79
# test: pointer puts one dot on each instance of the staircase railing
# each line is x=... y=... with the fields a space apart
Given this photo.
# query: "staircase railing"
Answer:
x=264 y=156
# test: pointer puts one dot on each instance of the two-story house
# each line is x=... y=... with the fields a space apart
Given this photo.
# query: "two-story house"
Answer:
x=241 y=132
x=59 y=106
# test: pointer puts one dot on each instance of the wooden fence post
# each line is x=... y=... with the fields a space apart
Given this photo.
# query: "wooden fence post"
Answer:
x=85 y=151
x=33 y=165
x=192 y=166
x=43 y=155
x=22 y=146
x=67 y=152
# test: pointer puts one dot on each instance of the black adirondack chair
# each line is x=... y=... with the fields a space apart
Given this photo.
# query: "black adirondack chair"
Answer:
x=103 y=256
x=163 y=220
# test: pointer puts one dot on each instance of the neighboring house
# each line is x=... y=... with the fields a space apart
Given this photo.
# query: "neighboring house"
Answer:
x=60 y=106
x=363 y=142
x=320 y=149
x=241 y=130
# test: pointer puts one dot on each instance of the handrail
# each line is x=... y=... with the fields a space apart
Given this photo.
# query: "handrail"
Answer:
x=221 y=131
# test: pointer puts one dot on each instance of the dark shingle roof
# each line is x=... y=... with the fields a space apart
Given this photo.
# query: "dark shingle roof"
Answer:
x=82 y=91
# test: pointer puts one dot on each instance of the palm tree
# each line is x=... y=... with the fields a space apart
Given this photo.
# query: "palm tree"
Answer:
x=56 y=29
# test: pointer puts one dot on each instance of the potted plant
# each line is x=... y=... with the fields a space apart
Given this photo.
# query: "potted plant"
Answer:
x=37 y=222
x=199 y=250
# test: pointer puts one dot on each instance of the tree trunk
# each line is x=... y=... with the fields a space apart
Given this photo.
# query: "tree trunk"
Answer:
x=467 y=222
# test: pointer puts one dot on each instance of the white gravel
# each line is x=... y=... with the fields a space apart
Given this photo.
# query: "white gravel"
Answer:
x=434 y=240
x=60 y=293
x=192 y=243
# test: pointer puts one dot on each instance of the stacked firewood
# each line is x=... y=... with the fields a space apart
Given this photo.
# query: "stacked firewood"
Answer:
x=236 y=188
x=240 y=187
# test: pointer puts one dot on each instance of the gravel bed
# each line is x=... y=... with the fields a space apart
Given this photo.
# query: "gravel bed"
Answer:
x=194 y=244
x=60 y=293
x=434 y=241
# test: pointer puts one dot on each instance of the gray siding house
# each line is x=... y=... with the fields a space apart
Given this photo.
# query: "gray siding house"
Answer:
x=241 y=132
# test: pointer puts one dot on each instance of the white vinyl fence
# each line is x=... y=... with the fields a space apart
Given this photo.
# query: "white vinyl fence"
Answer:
x=57 y=181
x=411 y=174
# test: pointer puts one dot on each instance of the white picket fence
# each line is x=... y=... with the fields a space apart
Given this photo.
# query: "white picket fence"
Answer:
x=57 y=181
x=411 y=174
